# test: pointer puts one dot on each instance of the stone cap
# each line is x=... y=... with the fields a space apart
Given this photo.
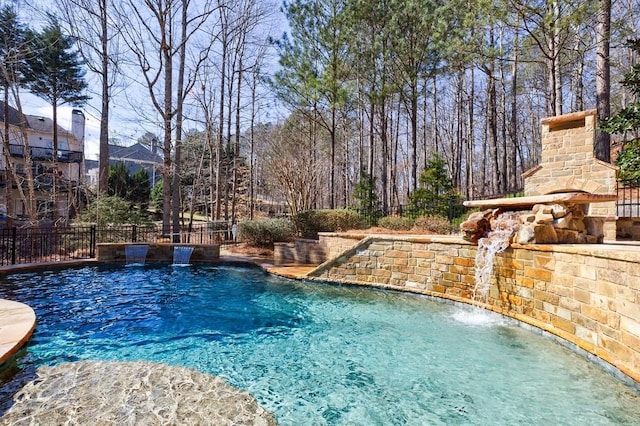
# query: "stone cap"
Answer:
x=574 y=116
x=524 y=203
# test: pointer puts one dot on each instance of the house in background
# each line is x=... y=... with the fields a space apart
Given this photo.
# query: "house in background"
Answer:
x=134 y=157
x=69 y=157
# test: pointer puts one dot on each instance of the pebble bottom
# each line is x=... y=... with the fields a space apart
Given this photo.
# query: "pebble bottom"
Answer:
x=129 y=393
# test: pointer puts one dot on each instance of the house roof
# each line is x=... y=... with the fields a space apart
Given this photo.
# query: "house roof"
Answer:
x=33 y=122
x=135 y=152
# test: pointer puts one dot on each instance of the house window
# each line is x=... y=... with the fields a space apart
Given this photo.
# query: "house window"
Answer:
x=45 y=209
x=19 y=208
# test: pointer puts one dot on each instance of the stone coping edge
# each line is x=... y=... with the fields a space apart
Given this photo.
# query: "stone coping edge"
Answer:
x=17 y=323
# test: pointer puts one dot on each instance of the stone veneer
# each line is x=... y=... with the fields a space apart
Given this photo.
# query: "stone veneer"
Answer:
x=588 y=295
x=157 y=252
x=301 y=251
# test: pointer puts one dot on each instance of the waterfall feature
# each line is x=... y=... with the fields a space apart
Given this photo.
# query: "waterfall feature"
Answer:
x=136 y=253
x=496 y=241
x=182 y=254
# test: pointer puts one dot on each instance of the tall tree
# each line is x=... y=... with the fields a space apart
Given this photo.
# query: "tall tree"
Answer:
x=159 y=33
x=92 y=23
x=11 y=60
x=549 y=25
x=313 y=75
x=603 y=79
x=55 y=74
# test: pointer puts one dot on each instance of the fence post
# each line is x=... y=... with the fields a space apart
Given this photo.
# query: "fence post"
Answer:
x=92 y=242
x=134 y=233
x=13 y=245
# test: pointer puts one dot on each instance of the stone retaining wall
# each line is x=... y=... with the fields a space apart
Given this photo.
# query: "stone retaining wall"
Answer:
x=302 y=250
x=628 y=228
x=335 y=243
x=587 y=295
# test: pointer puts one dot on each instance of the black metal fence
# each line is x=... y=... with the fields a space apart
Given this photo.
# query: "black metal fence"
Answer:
x=29 y=245
x=628 y=204
x=451 y=208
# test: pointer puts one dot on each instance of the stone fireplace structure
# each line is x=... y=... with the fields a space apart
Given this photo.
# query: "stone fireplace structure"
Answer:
x=570 y=195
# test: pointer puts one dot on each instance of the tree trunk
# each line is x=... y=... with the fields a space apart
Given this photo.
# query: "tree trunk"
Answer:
x=175 y=184
x=236 y=150
x=603 y=79
x=469 y=191
x=103 y=163
x=54 y=167
x=8 y=172
x=513 y=125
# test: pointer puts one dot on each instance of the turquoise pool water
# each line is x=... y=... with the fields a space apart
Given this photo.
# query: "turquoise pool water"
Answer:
x=318 y=354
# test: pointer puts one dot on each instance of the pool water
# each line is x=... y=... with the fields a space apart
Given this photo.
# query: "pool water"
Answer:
x=318 y=354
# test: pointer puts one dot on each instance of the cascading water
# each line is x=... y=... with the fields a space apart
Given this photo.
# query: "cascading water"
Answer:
x=182 y=255
x=136 y=253
x=496 y=241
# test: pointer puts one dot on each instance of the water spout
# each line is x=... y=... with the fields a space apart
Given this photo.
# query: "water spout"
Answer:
x=136 y=253
x=496 y=241
x=182 y=255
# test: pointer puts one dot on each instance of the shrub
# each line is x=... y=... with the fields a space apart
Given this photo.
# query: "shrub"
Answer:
x=310 y=222
x=396 y=223
x=366 y=200
x=107 y=210
x=433 y=224
x=264 y=232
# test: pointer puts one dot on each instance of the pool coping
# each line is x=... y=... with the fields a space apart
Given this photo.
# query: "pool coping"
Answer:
x=17 y=323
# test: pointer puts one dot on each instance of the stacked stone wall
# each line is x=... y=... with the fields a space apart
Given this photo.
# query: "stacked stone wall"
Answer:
x=335 y=243
x=587 y=296
x=303 y=251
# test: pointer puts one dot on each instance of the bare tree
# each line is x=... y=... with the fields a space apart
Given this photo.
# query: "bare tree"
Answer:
x=603 y=79
x=92 y=24
x=158 y=32
x=296 y=176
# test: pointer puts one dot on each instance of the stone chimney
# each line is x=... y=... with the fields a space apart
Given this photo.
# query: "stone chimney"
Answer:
x=568 y=164
x=77 y=126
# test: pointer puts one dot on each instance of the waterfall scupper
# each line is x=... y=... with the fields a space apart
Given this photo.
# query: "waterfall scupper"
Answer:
x=136 y=253
x=182 y=255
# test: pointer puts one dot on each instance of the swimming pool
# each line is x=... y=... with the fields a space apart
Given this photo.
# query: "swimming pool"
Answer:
x=318 y=354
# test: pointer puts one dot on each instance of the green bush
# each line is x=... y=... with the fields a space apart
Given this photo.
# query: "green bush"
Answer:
x=108 y=210
x=264 y=232
x=433 y=224
x=310 y=222
x=396 y=223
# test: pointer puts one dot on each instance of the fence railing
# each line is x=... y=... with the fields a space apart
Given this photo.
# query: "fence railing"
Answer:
x=628 y=204
x=29 y=245
x=46 y=154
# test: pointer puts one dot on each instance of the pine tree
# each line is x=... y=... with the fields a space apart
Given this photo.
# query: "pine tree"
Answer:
x=366 y=198
x=54 y=73
x=11 y=46
x=434 y=195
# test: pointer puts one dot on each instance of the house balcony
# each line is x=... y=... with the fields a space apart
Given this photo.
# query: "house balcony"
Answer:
x=41 y=182
x=46 y=154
